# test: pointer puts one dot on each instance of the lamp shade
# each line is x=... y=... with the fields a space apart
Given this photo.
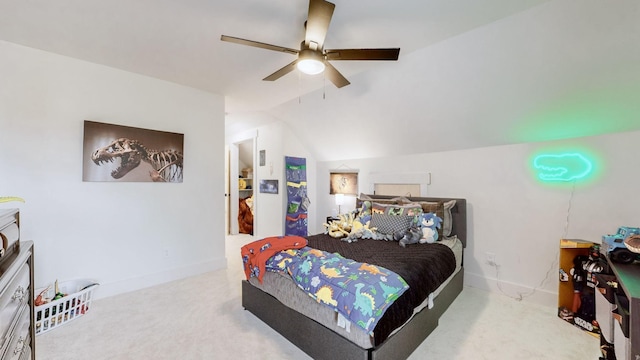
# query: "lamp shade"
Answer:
x=310 y=62
x=339 y=199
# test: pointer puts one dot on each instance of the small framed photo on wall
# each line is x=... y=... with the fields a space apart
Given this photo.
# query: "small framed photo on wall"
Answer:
x=263 y=157
x=269 y=186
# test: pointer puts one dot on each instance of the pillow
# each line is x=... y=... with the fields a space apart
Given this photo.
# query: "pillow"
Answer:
x=396 y=200
x=447 y=220
x=395 y=209
x=408 y=210
x=443 y=210
x=390 y=224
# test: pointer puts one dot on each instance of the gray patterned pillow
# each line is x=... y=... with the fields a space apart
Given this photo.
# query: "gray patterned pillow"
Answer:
x=391 y=224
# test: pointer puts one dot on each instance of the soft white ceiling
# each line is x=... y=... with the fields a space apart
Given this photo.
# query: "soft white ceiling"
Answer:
x=179 y=41
x=561 y=70
x=471 y=73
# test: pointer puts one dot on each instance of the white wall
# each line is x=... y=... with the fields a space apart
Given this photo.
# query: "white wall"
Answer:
x=278 y=141
x=115 y=233
x=513 y=215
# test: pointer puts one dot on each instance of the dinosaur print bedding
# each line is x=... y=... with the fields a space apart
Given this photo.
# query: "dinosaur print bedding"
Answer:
x=424 y=267
x=361 y=292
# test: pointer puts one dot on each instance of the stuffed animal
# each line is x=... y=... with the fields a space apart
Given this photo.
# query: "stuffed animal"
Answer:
x=359 y=229
x=412 y=236
x=341 y=227
x=334 y=230
x=430 y=222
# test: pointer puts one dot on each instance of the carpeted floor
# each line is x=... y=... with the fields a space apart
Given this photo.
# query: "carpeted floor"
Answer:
x=201 y=318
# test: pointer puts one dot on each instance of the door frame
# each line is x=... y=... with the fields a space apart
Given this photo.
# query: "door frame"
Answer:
x=234 y=196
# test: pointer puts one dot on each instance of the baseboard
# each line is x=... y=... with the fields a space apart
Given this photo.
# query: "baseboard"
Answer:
x=539 y=296
x=141 y=282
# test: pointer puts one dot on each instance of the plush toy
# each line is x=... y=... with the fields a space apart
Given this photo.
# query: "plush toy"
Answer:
x=412 y=236
x=365 y=210
x=334 y=230
x=360 y=229
x=430 y=222
x=341 y=227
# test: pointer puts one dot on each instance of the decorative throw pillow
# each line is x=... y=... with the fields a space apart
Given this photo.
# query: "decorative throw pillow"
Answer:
x=396 y=200
x=390 y=224
x=443 y=210
x=412 y=209
x=409 y=210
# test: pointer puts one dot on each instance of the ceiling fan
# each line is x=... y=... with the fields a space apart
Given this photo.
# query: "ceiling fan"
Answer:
x=313 y=58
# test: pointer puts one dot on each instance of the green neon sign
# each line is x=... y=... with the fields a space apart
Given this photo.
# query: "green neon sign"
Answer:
x=562 y=167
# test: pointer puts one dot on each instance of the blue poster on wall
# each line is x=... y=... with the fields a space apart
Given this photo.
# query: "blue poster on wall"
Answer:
x=297 y=200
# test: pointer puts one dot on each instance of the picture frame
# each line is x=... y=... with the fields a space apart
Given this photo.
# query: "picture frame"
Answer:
x=343 y=182
x=263 y=157
x=269 y=186
x=117 y=153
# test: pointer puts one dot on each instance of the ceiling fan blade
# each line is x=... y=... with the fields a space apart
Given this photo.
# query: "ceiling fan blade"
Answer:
x=320 y=13
x=258 y=44
x=334 y=76
x=282 y=72
x=363 y=54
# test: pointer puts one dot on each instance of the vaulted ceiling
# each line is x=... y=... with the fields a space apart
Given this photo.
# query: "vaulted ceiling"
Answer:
x=471 y=73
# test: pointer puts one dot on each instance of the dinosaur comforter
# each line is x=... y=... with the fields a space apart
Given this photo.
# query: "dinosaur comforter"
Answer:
x=360 y=292
x=424 y=267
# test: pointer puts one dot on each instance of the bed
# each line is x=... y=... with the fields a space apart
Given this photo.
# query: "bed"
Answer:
x=317 y=330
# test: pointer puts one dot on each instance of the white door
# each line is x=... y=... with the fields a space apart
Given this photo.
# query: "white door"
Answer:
x=233 y=189
x=227 y=191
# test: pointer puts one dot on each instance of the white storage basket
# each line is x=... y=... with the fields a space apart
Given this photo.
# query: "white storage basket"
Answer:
x=72 y=306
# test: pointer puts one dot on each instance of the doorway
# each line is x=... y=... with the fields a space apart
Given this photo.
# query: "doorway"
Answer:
x=241 y=176
x=245 y=187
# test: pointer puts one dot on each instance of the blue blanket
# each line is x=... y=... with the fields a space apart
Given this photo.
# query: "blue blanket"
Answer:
x=361 y=292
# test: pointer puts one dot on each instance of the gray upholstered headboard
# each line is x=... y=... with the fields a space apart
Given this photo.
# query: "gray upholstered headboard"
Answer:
x=458 y=213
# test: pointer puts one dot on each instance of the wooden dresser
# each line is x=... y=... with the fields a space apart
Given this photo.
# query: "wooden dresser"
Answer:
x=17 y=335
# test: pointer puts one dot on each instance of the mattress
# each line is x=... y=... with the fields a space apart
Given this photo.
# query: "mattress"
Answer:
x=281 y=287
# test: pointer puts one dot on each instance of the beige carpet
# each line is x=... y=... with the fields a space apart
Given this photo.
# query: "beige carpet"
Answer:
x=201 y=318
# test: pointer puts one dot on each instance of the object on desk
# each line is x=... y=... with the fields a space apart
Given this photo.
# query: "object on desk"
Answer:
x=633 y=243
x=615 y=245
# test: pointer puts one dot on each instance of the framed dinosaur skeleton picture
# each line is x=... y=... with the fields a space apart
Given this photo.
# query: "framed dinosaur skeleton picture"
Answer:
x=124 y=153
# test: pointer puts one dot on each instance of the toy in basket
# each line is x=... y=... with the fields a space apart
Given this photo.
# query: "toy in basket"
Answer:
x=64 y=302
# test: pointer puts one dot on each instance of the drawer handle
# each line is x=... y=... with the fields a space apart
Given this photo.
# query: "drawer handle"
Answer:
x=19 y=346
x=19 y=294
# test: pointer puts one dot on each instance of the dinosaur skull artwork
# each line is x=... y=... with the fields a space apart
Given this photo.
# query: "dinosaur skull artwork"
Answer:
x=129 y=152
x=167 y=164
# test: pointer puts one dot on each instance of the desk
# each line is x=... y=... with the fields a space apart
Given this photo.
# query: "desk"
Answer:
x=628 y=276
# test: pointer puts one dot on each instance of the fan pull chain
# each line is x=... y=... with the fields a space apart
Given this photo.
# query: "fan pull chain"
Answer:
x=299 y=88
x=324 y=86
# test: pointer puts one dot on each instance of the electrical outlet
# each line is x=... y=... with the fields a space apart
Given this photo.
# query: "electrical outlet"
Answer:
x=491 y=259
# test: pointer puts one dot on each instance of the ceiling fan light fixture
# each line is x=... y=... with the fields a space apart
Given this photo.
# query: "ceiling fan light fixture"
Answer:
x=310 y=62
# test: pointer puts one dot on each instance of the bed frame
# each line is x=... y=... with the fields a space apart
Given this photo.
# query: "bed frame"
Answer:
x=316 y=339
